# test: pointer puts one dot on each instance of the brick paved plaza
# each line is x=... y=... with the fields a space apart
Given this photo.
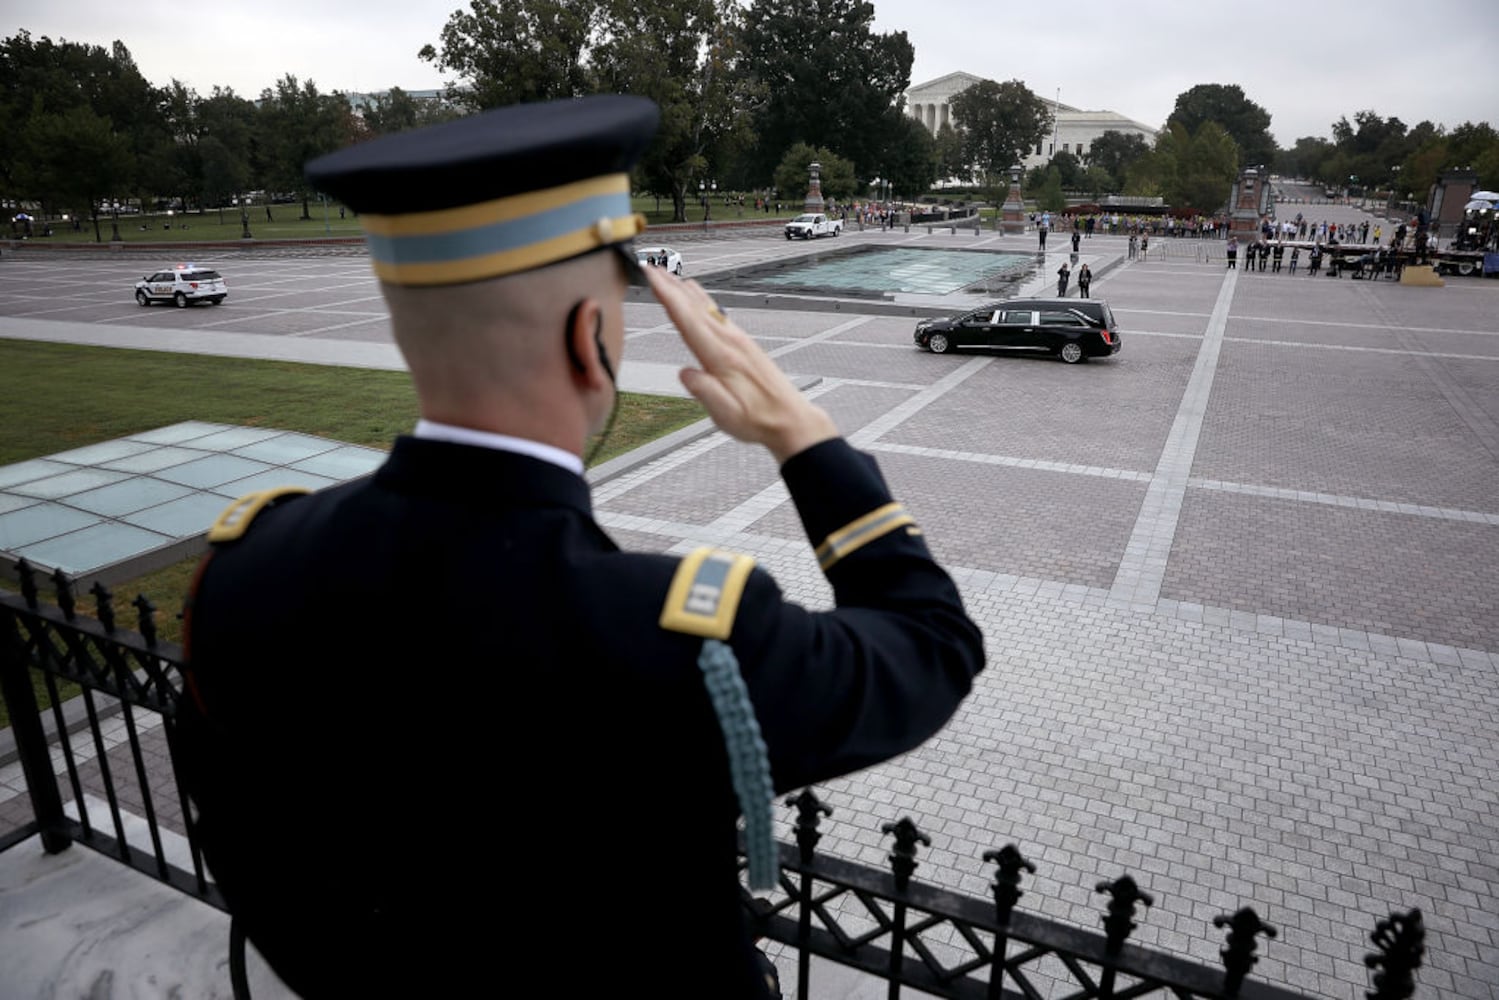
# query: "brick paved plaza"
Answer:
x=1241 y=591
x=1240 y=583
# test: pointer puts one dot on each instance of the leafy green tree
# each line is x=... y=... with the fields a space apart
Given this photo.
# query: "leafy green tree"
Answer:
x=1472 y=145
x=947 y=155
x=1477 y=146
x=1207 y=165
x=398 y=111
x=1097 y=181
x=1048 y=190
x=510 y=51
x=1369 y=149
x=1069 y=169
x=227 y=125
x=998 y=121
x=73 y=160
x=1305 y=158
x=910 y=160
x=40 y=77
x=1188 y=170
x=1246 y=122
x=683 y=55
x=296 y=124
x=1114 y=151
x=826 y=78
x=793 y=173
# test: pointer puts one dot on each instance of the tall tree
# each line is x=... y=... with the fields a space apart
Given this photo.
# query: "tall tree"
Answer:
x=998 y=122
x=1369 y=148
x=1246 y=122
x=828 y=79
x=511 y=51
x=910 y=159
x=1189 y=170
x=1114 y=151
x=1305 y=158
x=683 y=55
x=835 y=178
x=1069 y=168
x=298 y=123
x=398 y=111
x=227 y=125
x=73 y=160
x=947 y=155
x=43 y=77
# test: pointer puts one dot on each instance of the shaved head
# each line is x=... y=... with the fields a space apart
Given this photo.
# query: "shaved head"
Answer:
x=492 y=353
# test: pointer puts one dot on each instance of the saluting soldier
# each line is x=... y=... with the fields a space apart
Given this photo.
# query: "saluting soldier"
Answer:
x=436 y=718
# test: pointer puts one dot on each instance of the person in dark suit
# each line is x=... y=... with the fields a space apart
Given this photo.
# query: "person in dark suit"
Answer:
x=437 y=727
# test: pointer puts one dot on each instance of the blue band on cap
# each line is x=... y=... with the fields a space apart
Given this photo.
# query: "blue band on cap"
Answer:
x=500 y=236
x=504 y=235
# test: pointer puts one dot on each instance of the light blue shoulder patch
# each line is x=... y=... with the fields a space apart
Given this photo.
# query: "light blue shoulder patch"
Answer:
x=705 y=591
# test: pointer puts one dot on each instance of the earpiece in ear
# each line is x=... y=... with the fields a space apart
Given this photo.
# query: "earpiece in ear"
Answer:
x=598 y=341
x=567 y=337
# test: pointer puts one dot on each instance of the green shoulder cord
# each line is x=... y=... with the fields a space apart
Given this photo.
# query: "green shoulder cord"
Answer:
x=749 y=762
x=703 y=600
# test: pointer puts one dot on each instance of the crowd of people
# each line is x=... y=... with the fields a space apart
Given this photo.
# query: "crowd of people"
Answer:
x=1263 y=254
x=1114 y=224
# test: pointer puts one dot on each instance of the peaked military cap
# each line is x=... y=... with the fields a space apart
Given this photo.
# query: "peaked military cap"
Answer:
x=498 y=192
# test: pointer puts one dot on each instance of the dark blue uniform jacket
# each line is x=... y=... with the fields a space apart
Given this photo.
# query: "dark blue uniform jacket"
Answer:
x=438 y=736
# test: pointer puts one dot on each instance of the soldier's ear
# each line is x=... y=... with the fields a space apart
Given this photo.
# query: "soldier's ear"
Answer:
x=584 y=342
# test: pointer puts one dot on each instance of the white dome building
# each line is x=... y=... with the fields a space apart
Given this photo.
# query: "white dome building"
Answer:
x=1075 y=130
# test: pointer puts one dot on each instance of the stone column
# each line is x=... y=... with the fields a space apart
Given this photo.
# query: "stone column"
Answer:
x=1012 y=213
x=813 y=201
x=1246 y=205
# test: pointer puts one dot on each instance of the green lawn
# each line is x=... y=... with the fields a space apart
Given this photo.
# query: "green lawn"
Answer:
x=287 y=224
x=65 y=397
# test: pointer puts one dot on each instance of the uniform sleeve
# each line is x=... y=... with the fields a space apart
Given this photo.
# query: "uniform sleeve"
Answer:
x=840 y=690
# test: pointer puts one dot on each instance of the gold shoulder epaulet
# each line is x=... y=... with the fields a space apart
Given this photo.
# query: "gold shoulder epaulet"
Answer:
x=235 y=520
x=705 y=591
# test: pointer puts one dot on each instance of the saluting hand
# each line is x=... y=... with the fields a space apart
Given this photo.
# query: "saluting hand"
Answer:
x=743 y=390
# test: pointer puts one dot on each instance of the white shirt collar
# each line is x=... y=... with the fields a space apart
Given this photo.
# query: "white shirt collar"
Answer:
x=434 y=431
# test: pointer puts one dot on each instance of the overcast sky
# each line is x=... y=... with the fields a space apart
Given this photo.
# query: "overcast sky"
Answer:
x=1306 y=62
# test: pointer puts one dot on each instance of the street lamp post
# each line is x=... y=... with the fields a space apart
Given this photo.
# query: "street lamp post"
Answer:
x=244 y=217
x=114 y=235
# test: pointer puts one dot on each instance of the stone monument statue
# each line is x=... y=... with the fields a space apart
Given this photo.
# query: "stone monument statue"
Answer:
x=813 y=201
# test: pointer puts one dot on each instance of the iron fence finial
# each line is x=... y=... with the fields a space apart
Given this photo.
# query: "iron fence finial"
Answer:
x=1007 y=891
x=64 y=593
x=27 y=574
x=1238 y=954
x=903 y=857
x=1401 y=941
x=104 y=606
x=808 y=810
x=146 y=612
x=1120 y=919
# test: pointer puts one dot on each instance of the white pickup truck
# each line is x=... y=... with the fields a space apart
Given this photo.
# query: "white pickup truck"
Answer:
x=813 y=224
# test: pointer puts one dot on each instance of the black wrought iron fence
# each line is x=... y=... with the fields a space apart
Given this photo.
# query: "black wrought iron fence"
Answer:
x=882 y=923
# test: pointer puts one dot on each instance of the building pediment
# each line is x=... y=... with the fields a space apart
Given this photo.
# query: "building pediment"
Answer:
x=943 y=86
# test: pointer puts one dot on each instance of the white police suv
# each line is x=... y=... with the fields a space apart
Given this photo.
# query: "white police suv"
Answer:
x=182 y=285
